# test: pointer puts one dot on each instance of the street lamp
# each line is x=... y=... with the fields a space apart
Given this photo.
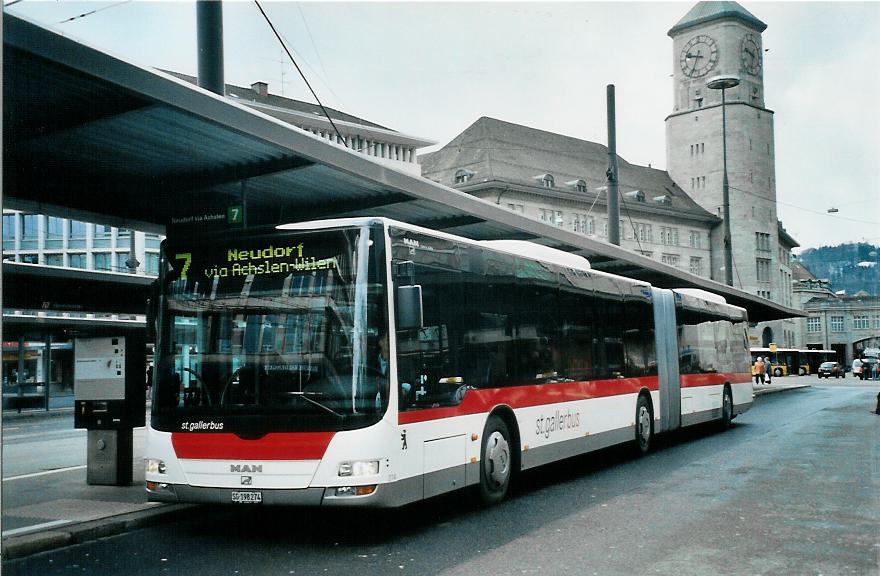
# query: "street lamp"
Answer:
x=723 y=83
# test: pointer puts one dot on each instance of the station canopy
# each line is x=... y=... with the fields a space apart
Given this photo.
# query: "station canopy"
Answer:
x=90 y=136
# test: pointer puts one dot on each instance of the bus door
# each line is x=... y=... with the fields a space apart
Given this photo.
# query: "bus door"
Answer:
x=667 y=359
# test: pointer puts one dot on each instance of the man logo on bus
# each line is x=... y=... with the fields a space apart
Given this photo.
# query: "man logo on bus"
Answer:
x=252 y=468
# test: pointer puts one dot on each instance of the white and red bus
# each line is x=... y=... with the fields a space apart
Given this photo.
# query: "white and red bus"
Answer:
x=373 y=363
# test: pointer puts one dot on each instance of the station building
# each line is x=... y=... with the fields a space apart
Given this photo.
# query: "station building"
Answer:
x=672 y=216
x=37 y=370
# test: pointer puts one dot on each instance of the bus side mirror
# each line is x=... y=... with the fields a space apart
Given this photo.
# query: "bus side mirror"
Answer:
x=152 y=311
x=409 y=307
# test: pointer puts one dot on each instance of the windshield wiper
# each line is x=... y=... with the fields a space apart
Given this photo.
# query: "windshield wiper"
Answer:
x=305 y=396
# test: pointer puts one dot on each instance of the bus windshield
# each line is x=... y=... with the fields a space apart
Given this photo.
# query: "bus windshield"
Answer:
x=276 y=332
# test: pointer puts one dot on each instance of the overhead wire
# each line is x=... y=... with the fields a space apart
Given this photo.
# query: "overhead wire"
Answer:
x=298 y=69
x=89 y=13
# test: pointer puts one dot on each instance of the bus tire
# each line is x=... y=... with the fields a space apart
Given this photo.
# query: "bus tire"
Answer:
x=496 y=461
x=644 y=425
x=726 y=408
x=777 y=372
x=803 y=371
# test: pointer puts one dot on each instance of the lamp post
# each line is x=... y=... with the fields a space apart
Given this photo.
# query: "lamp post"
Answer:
x=723 y=83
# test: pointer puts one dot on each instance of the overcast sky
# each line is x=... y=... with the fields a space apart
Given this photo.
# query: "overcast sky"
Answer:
x=432 y=69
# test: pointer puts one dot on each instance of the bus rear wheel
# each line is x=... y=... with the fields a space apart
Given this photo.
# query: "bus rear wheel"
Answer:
x=644 y=425
x=496 y=460
x=726 y=409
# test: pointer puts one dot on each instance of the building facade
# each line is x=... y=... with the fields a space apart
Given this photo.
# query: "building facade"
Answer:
x=561 y=181
x=849 y=325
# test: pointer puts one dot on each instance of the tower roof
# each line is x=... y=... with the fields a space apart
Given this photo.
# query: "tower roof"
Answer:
x=709 y=11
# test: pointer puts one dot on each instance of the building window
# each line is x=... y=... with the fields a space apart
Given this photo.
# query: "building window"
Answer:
x=762 y=241
x=463 y=176
x=668 y=236
x=637 y=195
x=77 y=260
x=696 y=266
x=550 y=216
x=643 y=232
x=876 y=322
x=762 y=266
x=54 y=232
x=77 y=238
x=516 y=207
x=695 y=239
x=670 y=259
x=152 y=264
x=861 y=322
x=548 y=181
x=152 y=240
x=29 y=231
x=103 y=261
x=9 y=231
x=54 y=260
x=580 y=186
x=837 y=323
x=121 y=259
x=103 y=235
x=814 y=324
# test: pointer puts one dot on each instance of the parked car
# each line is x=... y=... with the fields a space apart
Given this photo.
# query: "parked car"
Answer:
x=830 y=369
x=857 y=368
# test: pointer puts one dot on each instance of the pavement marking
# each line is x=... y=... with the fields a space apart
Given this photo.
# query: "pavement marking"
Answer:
x=34 y=528
x=44 y=473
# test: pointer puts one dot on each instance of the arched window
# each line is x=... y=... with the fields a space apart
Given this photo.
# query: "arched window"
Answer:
x=548 y=181
x=463 y=176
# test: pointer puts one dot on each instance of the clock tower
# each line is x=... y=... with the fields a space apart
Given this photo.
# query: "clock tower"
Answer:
x=712 y=39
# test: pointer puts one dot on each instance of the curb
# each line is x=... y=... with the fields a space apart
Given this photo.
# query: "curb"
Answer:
x=28 y=544
x=775 y=389
x=11 y=415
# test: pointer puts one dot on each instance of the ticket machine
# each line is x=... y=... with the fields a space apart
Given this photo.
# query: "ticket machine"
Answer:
x=109 y=401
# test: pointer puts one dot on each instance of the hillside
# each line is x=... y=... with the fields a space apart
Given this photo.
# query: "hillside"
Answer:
x=850 y=267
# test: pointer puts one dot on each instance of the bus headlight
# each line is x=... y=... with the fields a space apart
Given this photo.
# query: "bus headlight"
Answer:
x=155 y=466
x=359 y=468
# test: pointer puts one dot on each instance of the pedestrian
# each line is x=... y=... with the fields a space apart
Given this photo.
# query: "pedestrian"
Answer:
x=768 y=369
x=759 y=370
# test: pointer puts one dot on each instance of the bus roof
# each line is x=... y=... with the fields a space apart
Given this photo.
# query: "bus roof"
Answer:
x=696 y=300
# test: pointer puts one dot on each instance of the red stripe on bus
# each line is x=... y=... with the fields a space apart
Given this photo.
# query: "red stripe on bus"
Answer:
x=712 y=379
x=276 y=446
x=481 y=401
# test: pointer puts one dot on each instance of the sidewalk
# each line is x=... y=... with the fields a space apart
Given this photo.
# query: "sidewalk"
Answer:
x=781 y=384
x=55 y=508
x=71 y=512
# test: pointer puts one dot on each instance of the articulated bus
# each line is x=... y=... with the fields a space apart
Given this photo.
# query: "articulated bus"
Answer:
x=785 y=361
x=367 y=362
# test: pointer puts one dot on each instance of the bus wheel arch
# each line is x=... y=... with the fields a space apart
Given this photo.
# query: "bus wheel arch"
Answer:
x=644 y=425
x=499 y=455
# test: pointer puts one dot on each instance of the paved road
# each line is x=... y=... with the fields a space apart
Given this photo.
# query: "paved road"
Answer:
x=792 y=488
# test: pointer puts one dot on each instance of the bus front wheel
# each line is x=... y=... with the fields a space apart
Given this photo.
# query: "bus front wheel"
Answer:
x=644 y=425
x=496 y=459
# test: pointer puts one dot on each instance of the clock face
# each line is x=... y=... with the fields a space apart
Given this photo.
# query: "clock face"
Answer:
x=751 y=55
x=698 y=56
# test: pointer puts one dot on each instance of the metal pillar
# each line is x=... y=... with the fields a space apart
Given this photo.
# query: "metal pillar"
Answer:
x=612 y=188
x=209 y=21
